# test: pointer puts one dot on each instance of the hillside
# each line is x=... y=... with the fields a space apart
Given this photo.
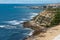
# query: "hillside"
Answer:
x=43 y=24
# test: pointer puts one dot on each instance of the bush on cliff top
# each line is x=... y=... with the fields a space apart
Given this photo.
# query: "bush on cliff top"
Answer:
x=56 y=19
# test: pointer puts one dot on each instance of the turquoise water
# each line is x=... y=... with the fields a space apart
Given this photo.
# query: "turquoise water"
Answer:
x=10 y=18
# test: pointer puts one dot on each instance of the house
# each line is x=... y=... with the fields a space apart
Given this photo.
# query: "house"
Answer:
x=53 y=5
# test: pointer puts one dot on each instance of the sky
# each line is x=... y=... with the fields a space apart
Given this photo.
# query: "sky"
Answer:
x=29 y=1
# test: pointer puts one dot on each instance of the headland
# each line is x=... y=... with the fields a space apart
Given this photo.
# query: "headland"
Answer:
x=45 y=23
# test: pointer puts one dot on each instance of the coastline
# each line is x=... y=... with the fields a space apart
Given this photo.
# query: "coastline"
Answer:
x=44 y=24
x=49 y=35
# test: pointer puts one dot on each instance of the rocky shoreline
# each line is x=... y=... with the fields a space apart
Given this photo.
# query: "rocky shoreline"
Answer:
x=41 y=23
x=50 y=34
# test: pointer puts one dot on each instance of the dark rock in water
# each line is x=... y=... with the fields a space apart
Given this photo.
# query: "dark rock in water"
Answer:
x=26 y=24
x=32 y=25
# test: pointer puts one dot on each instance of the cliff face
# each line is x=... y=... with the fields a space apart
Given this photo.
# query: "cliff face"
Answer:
x=54 y=19
x=39 y=22
x=42 y=20
x=47 y=18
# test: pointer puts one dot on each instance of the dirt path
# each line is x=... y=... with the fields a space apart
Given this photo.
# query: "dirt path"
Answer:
x=49 y=35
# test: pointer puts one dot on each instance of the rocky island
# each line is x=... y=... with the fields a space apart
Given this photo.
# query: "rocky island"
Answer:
x=43 y=22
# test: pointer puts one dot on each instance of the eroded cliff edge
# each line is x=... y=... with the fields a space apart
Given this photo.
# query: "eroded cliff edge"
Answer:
x=41 y=23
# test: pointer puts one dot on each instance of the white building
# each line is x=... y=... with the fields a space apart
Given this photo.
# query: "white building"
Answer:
x=53 y=5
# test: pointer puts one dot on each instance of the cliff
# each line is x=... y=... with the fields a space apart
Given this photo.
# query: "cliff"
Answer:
x=41 y=23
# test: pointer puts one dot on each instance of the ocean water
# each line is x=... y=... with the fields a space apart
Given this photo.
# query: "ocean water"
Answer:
x=11 y=17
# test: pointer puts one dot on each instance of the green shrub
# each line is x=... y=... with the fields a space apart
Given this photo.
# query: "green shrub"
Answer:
x=56 y=19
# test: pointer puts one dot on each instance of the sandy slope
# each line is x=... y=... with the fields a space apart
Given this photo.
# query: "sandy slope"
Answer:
x=49 y=35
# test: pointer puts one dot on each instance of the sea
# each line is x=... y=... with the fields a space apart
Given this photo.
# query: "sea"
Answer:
x=11 y=17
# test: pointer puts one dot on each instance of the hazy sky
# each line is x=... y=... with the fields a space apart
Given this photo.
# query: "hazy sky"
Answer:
x=29 y=1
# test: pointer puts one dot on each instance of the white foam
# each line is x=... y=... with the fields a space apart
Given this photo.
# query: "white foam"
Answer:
x=9 y=27
x=24 y=19
x=14 y=22
x=2 y=26
x=21 y=21
x=33 y=15
x=57 y=37
x=30 y=34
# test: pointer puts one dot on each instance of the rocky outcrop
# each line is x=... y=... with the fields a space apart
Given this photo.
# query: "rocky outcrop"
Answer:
x=40 y=22
x=32 y=25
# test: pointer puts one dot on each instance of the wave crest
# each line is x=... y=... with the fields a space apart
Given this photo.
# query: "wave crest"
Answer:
x=14 y=22
x=33 y=15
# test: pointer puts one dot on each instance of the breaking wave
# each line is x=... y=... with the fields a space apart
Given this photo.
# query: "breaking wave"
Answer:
x=2 y=26
x=9 y=27
x=14 y=22
x=33 y=15
x=25 y=19
x=17 y=24
x=31 y=33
